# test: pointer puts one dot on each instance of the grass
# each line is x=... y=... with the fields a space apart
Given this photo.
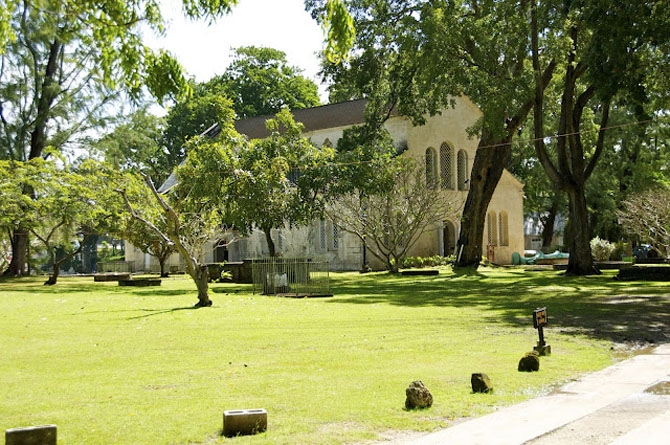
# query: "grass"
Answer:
x=111 y=364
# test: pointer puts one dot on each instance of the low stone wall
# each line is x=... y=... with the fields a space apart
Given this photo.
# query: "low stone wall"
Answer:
x=241 y=271
x=142 y=282
x=644 y=273
x=112 y=276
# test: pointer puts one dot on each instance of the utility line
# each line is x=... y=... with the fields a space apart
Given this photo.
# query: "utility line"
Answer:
x=526 y=141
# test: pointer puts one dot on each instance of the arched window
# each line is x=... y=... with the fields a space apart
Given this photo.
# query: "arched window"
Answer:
x=462 y=162
x=431 y=168
x=446 y=175
x=221 y=251
x=491 y=229
x=503 y=229
x=323 y=241
x=448 y=238
x=335 y=242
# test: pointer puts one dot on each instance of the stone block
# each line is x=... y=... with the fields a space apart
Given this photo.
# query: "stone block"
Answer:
x=529 y=362
x=112 y=276
x=481 y=383
x=31 y=435
x=418 y=396
x=141 y=282
x=243 y=422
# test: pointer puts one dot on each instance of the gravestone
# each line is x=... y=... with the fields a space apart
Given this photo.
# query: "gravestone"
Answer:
x=244 y=422
x=31 y=435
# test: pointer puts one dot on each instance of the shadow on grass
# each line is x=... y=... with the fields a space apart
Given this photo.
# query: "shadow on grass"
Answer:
x=155 y=312
x=82 y=288
x=597 y=306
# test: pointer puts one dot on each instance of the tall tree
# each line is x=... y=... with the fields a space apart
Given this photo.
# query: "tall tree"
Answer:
x=415 y=56
x=193 y=212
x=67 y=61
x=135 y=144
x=65 y=208
x=603 y=51
x=389 y=221
x=261 y=82
x=258 y=82
x=281 y=179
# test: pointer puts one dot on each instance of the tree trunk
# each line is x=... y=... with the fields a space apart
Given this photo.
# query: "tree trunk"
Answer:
x=579 y=243
x=487 y=169
x=549 y=224
x=202 y=283
x=48 y=91
x=271 y=243
x=53 y=278
x=17 y=266
x=161 y=262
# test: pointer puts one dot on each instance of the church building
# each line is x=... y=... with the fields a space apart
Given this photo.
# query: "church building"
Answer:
x=448 y=152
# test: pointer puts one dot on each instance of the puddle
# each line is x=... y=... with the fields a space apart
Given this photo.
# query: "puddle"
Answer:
x=661 y=389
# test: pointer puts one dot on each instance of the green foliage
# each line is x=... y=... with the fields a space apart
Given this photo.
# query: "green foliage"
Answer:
x=281 y=179
x=191 y=117
x=340 y=29
x=260 y=82
x=364 y=161
x=421 y=262
x=135 y=144
x=60 y=205
x=71 y=59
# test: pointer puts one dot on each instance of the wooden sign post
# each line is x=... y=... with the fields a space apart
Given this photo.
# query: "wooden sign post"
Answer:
x=539 y=322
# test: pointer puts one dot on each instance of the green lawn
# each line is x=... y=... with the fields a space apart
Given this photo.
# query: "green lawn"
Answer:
x=111 y=364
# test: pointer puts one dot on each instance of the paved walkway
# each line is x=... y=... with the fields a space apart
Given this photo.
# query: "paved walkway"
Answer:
x=625 y=404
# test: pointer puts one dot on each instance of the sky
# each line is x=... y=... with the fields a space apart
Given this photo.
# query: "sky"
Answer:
x=205 y=50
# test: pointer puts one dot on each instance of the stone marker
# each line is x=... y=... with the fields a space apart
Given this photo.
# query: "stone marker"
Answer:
x=529 y=362
x=418 y=396
x=481 y=383
x=31 y=435
x=244 y=422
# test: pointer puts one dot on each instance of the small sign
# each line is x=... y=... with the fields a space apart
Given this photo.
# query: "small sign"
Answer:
x=539 y=317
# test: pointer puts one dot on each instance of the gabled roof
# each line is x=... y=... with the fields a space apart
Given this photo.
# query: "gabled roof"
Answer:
x=336 y=115
x=318 y=118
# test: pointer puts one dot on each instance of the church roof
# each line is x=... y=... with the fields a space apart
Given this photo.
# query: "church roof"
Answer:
x=318 y=118
x=341 y=114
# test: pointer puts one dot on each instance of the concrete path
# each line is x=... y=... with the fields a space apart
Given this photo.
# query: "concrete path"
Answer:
x=625 y=404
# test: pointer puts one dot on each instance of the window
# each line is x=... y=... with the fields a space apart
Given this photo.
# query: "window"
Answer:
x=491 y=221
x=336 y=238
x=448 y=238
x=462 y=162
x=446 y=175
x=503 y=229
x=322 y=235
x=431 y=168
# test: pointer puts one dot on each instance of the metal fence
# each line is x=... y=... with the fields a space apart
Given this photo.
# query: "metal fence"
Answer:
x=116 y=266
x=295 y=277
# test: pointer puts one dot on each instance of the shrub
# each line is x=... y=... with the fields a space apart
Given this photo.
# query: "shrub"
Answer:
x=601 y=249
x=432 y=261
